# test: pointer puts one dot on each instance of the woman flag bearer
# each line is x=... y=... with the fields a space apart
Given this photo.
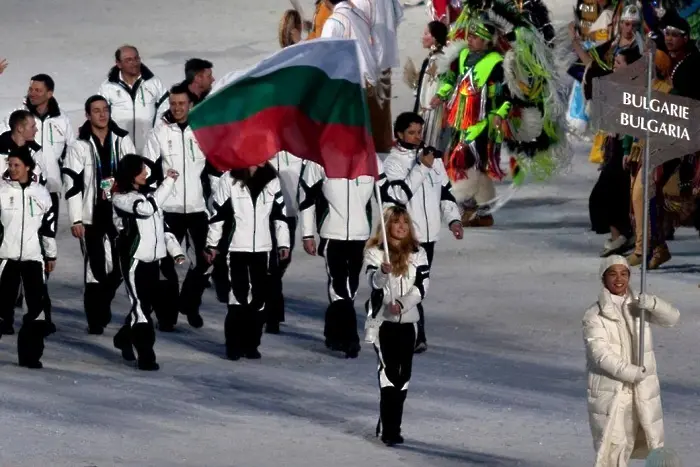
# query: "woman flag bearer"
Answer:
x=252 y=199
x=143 y=242
x=624 y=398
x=27 y=250
x=398 y=286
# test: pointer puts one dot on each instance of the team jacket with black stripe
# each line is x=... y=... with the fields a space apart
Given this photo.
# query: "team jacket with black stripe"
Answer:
x=336 y=208
x=289 y=169
x=143 y=234
x=54 y=135
x=82 y=170
x=27 y=223
x=252 y=210
x=408 y=290
x=133 y=108
x=173 y=146
x=424 y=191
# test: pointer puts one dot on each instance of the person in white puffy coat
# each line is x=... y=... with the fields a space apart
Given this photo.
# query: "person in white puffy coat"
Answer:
x=398 y=286
x=250 y=201
x=144 y=241
x=132 y=91
x=27 y=251
x=624 y=398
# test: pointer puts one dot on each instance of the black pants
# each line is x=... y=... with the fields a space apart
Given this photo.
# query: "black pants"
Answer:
x=192 y=228
x=141 y=281
x=394 y=347
x=102 y=274
x=610 y=199
x=274 y=307
x=248 y=275
x=343 y=265
x=429 y=248
x=30 y=275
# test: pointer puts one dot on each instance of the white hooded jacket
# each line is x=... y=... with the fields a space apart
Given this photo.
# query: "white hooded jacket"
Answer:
x=27 y=227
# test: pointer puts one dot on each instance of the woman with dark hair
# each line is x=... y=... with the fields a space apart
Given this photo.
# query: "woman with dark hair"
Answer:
x=425 y=83
x=251 y=201
x=143 y=242
x=27 y=250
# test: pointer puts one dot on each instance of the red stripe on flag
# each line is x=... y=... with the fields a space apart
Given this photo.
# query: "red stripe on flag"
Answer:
x=343 y=151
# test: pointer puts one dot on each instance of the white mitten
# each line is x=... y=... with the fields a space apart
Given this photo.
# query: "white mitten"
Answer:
x=641 y=375
x=646 y=302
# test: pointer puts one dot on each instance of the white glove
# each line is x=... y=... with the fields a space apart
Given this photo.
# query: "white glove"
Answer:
x=641 y=375
x=646 y=302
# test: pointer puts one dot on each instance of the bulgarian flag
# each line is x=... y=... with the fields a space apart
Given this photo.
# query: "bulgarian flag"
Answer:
x=308 y=99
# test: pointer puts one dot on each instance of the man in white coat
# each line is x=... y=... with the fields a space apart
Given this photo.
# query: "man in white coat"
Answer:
x=132 y=91
x=624 y=401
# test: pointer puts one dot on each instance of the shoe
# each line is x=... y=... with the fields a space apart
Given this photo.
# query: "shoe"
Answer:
x=634 y=259
x=420 y=347
x=252 y=355
x=148 y=366
x=125 y=346
x=617 y=246
x=660 y=256
x=195 y=320
x=50 y=328
x=95 y=330
x=32 y=365
x=335 y=346
x=392 y=440
x=7 y=329
x=272 y=327
x=353 y=351
x=166 y=327
x=234 y=355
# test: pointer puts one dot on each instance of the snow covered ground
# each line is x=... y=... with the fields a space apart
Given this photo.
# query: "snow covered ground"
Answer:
x=501 y=385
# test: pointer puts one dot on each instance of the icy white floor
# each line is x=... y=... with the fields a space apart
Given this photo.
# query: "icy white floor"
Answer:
x=502 y=384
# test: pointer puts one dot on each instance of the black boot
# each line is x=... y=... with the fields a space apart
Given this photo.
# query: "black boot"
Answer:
x=30 y=343
x=166 y=309
x=122 y=341
x=232 y=333
x=400 y=399
x=387 y=424
x=143 y=337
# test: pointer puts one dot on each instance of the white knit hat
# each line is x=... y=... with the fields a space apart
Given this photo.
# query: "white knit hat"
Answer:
x=663 y=457
x=612 y=261
x=631 y=13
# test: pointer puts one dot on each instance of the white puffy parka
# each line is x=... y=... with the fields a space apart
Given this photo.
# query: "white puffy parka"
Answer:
x=170 y=146
x=54 y=135
x=139 y=220
x=27 y=226
x=408 y=290
x=133 y=107
x=81 y=170
x=252 y=215
x=425 y=191
x=611 y=356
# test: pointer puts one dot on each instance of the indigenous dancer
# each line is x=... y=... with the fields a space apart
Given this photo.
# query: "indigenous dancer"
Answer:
x=445 y=11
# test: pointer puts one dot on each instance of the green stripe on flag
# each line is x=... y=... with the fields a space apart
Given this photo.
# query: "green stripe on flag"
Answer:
x=309 y=89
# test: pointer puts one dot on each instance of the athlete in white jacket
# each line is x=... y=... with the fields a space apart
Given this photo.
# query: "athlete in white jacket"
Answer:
x=339 y=210
x=88 y=176
x=27 y=249
x=289 y=169
x=172 y=145
x=143 y=242
x=54 y=131
x=132 y=91
x=250 y=201
x=417 y=179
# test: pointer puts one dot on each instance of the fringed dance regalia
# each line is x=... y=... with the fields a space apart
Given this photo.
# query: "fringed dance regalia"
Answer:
x=517 y=80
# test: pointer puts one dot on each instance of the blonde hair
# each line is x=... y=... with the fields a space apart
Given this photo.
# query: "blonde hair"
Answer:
x=398 y=254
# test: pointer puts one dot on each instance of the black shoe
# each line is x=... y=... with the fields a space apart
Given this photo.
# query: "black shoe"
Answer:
x=148 y=366
x=126 y=348
x=36 y=365
x=166 y=327
x=390 y=440
x=50 y=328
x=252 y=355
x=272 y=327
x=96 y=330
x=234 y=355
x=335 y=346
x=195 y=320
x=7 y=329
x=353 y=351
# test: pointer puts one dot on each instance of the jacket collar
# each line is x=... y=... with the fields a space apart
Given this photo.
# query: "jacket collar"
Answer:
x=7 y=144
x=607 y=306
x=113 y=75
x=52 y=111
x=85 y=131
x=33 y=179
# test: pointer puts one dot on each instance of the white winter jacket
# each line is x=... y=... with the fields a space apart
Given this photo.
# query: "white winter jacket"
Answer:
x=288 y=168
x=133 y=108
x=336 y=208
x=7 y=145
x=168 y=146
x=139 y=219
x=27 y=230
x=81 y=171
x=408 y=290
x=54 y=134
x=611 y=356
x=424 y=191
x=252 y=219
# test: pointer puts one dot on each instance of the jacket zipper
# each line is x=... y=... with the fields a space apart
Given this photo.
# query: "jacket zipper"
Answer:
x=255 y=218
x=400 y=295
x=155 y=231
x=425 y=212
x=21 y=237
x=184 y=171
x=347 y=214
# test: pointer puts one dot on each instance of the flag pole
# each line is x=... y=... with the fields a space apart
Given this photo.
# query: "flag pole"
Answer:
x=645 y=196
x=378 y=193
